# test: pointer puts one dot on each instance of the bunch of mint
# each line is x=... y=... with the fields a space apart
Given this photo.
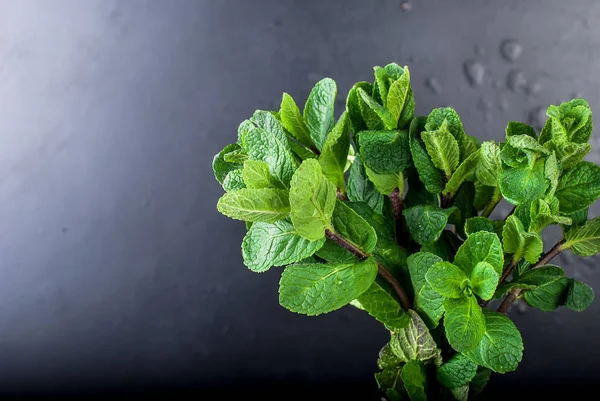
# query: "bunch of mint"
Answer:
x=390 y=212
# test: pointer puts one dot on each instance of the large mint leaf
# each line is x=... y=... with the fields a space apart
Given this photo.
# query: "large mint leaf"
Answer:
x=501 y=347
x=256 y=174
x=427 y=301
x=578 y=187
x=353 y=227
x=318 y=111
x=447 y=280
x=400 y=100
x=293 y=121
x=457 y=371
x=426 y=223
x=266 y=204
x=414 y=376
x=353 y=106
x=429 y=175
x=221 y=167
x=449 y=117
x=522 y=185
x=275 y=244
x=415 y=343
x=580 y=296
x=313 y=289
x=384 y=116
x=584 y=240
x=464 y=322
x=334 y=154
x=385 y=151
x=532 y=279
x=462 y=173
x=361 y=189
x=484 y=280
x=443 y=149
x=550 y=287
x=380 y=304
x=312 y=200
x=480 y=247
x=488 y=168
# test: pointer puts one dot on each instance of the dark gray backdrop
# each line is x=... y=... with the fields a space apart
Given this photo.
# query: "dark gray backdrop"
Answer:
x=117 y=272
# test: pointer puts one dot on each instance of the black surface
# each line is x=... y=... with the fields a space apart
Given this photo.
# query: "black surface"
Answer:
x=117 y=273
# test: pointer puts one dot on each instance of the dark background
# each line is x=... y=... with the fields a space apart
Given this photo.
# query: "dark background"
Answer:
x=118 y=276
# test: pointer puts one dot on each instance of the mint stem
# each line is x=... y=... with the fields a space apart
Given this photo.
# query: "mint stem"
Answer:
x=489 y=208
x=383 y=272
x=341 y=195
x=513 y=296
x=398 y=206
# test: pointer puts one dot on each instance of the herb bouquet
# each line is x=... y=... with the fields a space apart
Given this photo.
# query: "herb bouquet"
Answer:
x=390 y=212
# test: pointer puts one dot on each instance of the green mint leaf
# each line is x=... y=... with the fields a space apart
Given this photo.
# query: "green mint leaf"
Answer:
x=293 y=121
x=569 y=154
x=385 y=183
x=335 y=254
x=584 y=240
x=445 y=247
x=353 y=227
x=236 y=157
x=426 y=223
x=384 y=116
x=415 y=343
x=384 y=227
x=361 y=189
x=387 y=359
x=353 y=106
x=516 y=157
x=220 y=166
x=400 y=100
x=300 y=151
x=526 y=142
x=460 y=393
x=383 y=81
x=522 y=185
x=266 y=204
x=580 y=296
x=385 y=151
x=447 y=280
x=413 y=376
x=488 y=168
x=318 y=111
x=443 y=149
x=334 y=154
x=522 y=244
x=457 y=371
x=518 y=128
x=418 y=195
x=484 y=280
x=462 y=173
x=234 y=181
x=390 y=383
x=429 y=175
x=313 y=289
x=552 y=172
x=480 y=247
x=483 y=195
x=464 y=323
x=571 y=121
x=243 y=129
x=427 y=301
x=476 y=224
x=449 y=117
x=532 y=279
x=275 y=244
x=501 y=347
x=312 y=200
x=578 y=187
x=481 y=379
x=380 y=304
x=551 y=290
x=542 y=216
x=463 y=201
x=256 y=174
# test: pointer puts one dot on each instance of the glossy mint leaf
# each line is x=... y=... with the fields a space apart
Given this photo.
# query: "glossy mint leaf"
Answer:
x=234 y=181
x=501 y=347
x=464 y=322
x=484 y=280
x=385 y=151
x=578 y=187
x=414 y=376
x=256 y=174
x=293 y=121
x=447 y=280
x=415 y=343
x=361 y=189
x=520 y=243
x=462 y=173
x=385 y=117
x=427 y=301
x=400 y=100
x=551 y=291
x=390 y=383
x=518 y=128
x=448 y=117
x=353 y=106
x=380 y=304
x=426 y=223
x=312 y=200
x=443 y=149
x=571 y=121
x=275 y=244
x=313 y=289
x=584 y=240
x=335 y=254
x=385 y=183
x=353 y=228
x=457 y=371
x=522 y=185
x=429 y=175
x=334 y=154
x=476 y=224
x=532 y=279
x=221 y=167
x=480 y=247
x=318 y=111
x=488 y=168
x=526 y=142
x=266 y=204
x=517 y=157
x=580 y=296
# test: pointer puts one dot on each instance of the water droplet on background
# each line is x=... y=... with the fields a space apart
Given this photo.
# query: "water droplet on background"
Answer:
x=503 y=104
x=533 y=89
x=406 y=6
x=475 y=72
x=511 y=50
x=515 y=80
x=433 y=85
x=480 y=51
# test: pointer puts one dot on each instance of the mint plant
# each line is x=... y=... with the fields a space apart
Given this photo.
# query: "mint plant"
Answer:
x=391 y=213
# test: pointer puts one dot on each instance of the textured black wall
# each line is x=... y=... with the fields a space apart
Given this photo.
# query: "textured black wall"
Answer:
x=117 y=272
